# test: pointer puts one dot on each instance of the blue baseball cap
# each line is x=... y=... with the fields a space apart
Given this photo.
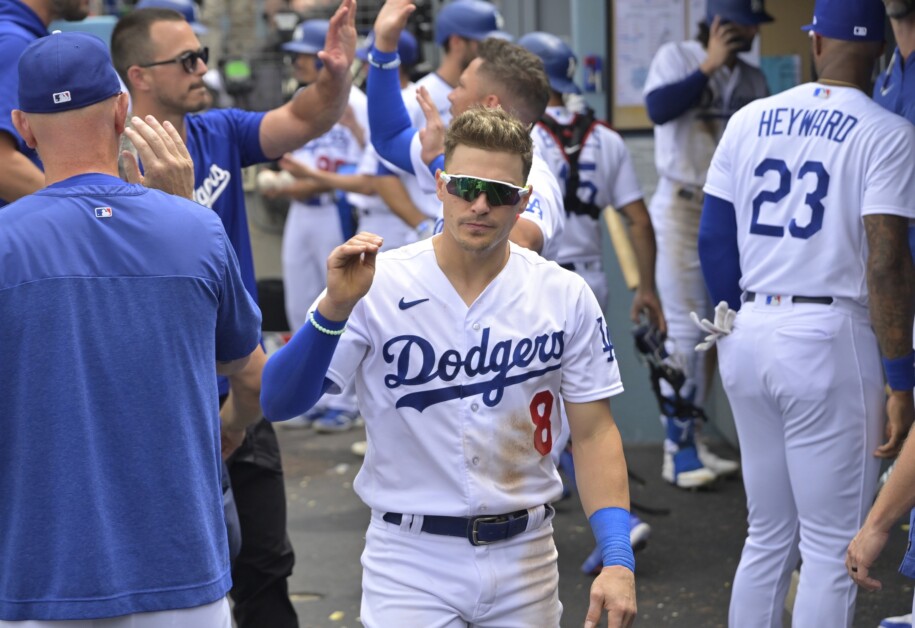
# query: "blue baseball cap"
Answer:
x=187 y=8
x=65 y=71
x=849 y=20
x=744 y=12
x=407 y=48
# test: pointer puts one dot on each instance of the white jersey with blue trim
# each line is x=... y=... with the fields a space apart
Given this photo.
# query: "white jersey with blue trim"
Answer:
x=684 y=146
x=606 y=177
x=823 y=156
x=461 y=404
x=438 y=90
x=545 y=207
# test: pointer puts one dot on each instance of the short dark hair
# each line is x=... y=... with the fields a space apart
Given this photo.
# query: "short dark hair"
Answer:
x=518 y=77
x=490 y=129
x=131 y=43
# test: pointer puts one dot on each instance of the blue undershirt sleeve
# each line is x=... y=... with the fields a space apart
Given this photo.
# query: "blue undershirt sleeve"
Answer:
x=294 y=377
x=718 y=252
x=673 y=100
x=437 y=164
x=389 y=122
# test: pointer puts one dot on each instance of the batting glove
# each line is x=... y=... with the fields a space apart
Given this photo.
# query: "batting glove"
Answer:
x=724 y=323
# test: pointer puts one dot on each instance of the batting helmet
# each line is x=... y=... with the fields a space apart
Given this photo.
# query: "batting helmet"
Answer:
x=470 y=19
x=745 y=12
x=308 y=37
x=558 y=60
x=187 y=8
x=407 y=48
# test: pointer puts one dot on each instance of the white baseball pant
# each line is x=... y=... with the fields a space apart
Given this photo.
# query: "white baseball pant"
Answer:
x=213 y=615
x=806 y=387
x=412 y=578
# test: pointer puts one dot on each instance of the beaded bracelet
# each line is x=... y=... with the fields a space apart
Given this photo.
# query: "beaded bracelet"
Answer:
x=389 y=65
x=322 y=329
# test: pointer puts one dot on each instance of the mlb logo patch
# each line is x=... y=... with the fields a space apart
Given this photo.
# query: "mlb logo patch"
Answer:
x=821 y=92
x=774 y=299
x=103 y=212
x=61 y=97
x=860 y=31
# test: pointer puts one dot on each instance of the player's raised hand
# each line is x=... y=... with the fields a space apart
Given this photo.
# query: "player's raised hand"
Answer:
x=350 y=271
x=432 y=137
x=723 y=42
x=614 y=591
x=900 y=412
x=391 y=19
x=166 y=162
x=340 y=44
x=862 y=552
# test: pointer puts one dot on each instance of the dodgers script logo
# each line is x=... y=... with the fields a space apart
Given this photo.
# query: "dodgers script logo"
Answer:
x=418 y=365
x=213 y=186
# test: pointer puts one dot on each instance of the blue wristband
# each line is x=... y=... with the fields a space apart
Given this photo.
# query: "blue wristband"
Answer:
x=611 y=530
x=900 y=372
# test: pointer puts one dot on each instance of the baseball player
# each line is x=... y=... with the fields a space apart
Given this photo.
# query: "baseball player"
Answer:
x=692 y=89
x=804 y=230
x=314 y=225
x=460 y=401
x=503 y=75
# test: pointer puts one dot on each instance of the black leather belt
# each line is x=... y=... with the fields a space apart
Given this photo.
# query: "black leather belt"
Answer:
x=568 y=266
x=751 y=296
x=479 y=530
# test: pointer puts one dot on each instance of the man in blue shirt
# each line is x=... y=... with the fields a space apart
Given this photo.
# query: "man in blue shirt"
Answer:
x=112 y=293
x=21 y=22
x=161 y=61
x=895 y=88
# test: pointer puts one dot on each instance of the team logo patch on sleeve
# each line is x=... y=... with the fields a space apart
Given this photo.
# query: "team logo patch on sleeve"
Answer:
x=605 y=338
x=103 y=212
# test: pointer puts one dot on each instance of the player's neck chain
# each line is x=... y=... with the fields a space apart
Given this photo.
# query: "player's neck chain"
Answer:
x=839 y=83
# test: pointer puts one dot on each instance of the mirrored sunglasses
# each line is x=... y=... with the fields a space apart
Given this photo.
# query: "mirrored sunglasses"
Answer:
x=188 y=60
x=470 y=188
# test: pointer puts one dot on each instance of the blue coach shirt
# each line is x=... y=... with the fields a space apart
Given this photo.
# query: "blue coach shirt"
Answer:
x=222 y=142
x=19 y=26
x=115 y=303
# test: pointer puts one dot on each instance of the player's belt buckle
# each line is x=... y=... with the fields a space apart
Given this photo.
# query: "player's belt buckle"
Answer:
x=473 y=531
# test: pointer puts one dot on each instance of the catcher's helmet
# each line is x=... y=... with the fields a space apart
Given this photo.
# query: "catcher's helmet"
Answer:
x=558 y=60
x=308 y=37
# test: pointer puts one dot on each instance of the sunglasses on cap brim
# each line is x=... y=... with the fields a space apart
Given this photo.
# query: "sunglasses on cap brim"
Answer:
x=470 y=188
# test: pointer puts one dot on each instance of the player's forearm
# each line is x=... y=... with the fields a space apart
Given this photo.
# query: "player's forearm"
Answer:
x=389 y=122
x=890 y=282
x=356 y=183
x=242 y=407
x=897 y=496
x=18 y=176
x=600 y=471
x=395 y=196
x=642 y=234
x=294 y=377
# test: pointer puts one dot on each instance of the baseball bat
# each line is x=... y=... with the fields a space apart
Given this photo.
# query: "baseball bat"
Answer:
x=619 y=238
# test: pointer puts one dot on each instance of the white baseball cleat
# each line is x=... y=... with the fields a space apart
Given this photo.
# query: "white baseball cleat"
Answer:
x=721 y=467
x=903 y=621
x=683 y=469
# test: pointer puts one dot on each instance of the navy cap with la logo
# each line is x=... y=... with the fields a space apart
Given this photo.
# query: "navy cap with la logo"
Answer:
x=849 y=20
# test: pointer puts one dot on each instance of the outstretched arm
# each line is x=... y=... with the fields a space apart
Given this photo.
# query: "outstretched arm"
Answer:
x=294 y=377
x=601 y=477
x=389 y=123
x=315 y=109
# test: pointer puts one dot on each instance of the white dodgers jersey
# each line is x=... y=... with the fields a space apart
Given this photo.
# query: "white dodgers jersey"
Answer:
x=461 y=404
x=606 y=177
x=684 y=146
x=801 y=169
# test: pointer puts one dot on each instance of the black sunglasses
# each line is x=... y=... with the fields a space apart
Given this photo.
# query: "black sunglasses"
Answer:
x=188 y=60
x=470 y=188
